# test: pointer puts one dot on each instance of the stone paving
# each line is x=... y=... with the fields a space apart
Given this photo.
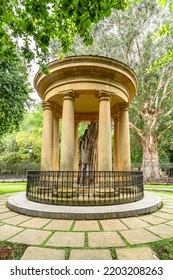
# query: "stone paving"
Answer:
x=123 y=239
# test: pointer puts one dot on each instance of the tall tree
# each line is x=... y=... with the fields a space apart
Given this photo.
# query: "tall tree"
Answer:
x=151 y=110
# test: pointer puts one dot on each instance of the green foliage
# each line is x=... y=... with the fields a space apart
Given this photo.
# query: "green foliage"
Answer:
x=167 y=31
x=162 y=2
x=37 y=22
x=82 y=128
x=14 y=147
x=166 y=146
x=14 y=93
x=136 y=149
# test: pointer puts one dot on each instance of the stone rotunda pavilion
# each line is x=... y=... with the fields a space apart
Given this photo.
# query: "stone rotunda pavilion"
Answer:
x=91 y=89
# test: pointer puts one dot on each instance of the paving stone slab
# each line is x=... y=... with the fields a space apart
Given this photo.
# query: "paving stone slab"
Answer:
x=164 y=231
x=139 y=236
x=86 y=226
x=166 y=202
x=6 y=195
x=67 y=239
x=7 y=231
x=163 y=215
x=99 y=254
x=4 y=210
x=4 y=198
x=31 y=236
x=105 y=239
x=59 y=225
x=16 y=219
x=37 y=253
x=135 y=223
x=144 y=253
x=152 y=219
x=112 y=225
x=36 y=223
x=170 y=223
x=7 y=215
x=167 y=210
x=4 y=206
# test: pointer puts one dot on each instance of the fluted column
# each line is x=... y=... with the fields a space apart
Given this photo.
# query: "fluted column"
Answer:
x=104 y=136
x=47 y=137
x=116 y=142
x=124 y=137
x=76 y=146
x=55 y=142
x=67 y=138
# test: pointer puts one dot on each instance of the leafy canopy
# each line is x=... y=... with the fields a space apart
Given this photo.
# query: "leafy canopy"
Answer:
x=36 y=22
x=165 y=30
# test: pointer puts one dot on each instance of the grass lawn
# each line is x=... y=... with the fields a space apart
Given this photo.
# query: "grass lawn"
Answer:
x=159 y=186
x=12 y=187
x=160 y=189
x=164 y=249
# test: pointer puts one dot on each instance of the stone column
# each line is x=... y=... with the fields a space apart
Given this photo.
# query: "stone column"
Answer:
x=104 y=135
x=67 y=138
x=55 y=142
x=47 y=137
x=116 y=142
x=124 y=138
x=76 y=146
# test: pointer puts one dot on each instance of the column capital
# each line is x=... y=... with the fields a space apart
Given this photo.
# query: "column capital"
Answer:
x=57 y=111
x=123 y=106
x=115 y=116
x=47 y=105
x=56 y=115
x=104 y=95
x=69 y=95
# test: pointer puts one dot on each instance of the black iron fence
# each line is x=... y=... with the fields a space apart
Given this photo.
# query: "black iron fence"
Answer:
x=16 y=171
x=84 y=187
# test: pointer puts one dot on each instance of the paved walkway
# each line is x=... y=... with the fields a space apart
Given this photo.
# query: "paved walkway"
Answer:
x=87 y=239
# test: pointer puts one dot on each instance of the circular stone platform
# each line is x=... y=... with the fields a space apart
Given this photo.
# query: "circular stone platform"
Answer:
x=19 y=203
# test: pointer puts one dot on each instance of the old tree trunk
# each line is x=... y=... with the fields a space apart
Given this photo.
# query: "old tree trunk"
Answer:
x=150 y=163
x=88 y=148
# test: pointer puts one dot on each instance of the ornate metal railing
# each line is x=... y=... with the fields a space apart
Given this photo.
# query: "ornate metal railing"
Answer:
x=84 y=187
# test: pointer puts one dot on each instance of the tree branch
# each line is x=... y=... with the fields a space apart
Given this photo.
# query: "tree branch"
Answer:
x=168 y=113
x=138 y=131
x=169 y=126
x=164 y=97
x=165 y=93
x=159 y=87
